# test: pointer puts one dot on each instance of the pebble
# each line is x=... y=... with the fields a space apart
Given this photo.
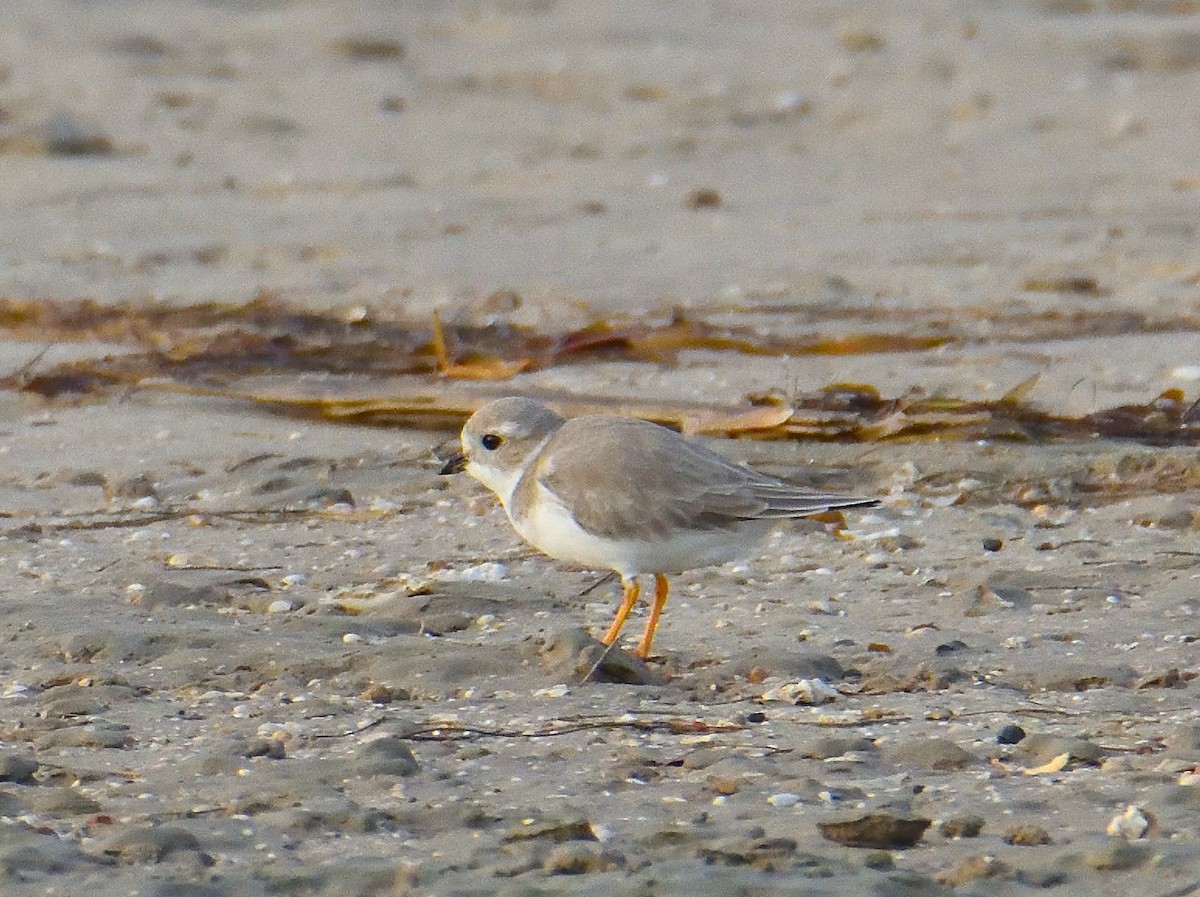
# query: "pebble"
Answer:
x=572 y=654
x=12 y=806
x=334 y=813
x=1027 y=836
x=56 y=802
x=66 y=134
x=1119 y=857
x=1184 y=743
x=173 y=593
x=555 y=830
x=17 y=768
x=272 y=748
x=784 y=664
x=826 y=747
x=1131 y=825
x=962 y=827
x=703 y=198
x=806 y=691
x=880 y=861
x=137 y=487
x=578 y=858
x=27 y=855
x=1040 y=748
x=783 y=799
x=952 y=647
x=94 y=735
x=723 y=785
x=975 y=868
x=879 y=830
x=151 y=844
x=759 y=853
x=994 y=597
x=488 y=571
x=1070 y=676
x=1010 y=734
x=386 y=756
x=929 y=753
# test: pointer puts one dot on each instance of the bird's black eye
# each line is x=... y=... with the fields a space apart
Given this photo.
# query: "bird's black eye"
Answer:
x=491 y=441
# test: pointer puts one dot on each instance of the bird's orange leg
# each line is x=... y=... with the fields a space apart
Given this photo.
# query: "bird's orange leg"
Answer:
x=660 y=600
x=628 y=600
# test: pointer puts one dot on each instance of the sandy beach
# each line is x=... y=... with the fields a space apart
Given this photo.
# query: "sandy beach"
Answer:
x=251 y=652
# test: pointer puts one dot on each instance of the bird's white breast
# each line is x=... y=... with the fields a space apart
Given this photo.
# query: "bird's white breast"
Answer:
x=549 y=526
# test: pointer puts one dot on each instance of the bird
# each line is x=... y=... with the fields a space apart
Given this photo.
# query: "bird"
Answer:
x=610 y=492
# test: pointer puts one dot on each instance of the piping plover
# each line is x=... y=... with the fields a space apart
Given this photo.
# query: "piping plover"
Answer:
x=626 y=495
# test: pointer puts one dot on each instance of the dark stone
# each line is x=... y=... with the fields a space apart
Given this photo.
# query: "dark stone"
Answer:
x=1010 y=734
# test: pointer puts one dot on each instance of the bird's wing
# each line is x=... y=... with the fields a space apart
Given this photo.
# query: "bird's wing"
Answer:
x=627 y=479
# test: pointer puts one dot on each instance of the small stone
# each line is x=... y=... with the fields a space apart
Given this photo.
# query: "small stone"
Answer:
x=17 y=769
x=861 y=40
x=1071 y=676
x=378 y=693
x=368 y=48
x=962 y=827
x=703 y=198
x=11 y=805
x=574 y=654
x=173 y=593
x=1131 y=825
x=556 y=830
x=758 y=852
x=280 y=606
x=1184 y=742
x=993 y=597
x=1010 y=734
x=724 y=785
x=880 y=861
x=992 y=544
x=806 y=691
x=93 y=735
x=879 y=830
x=1040 y=748
x=272 y=748
x=63 y=802
x=783 y=799
x=930 y=753
x=826 y=747
x=387 y=756
x=324 y=498
x=135 y=488
x=149 y=844
x=27 y=856
x=974 y=869
x=88 y=478
x=950 y=648
x=69 y=135
x=1120 y=857
x=1027 y=836
x=577 y=858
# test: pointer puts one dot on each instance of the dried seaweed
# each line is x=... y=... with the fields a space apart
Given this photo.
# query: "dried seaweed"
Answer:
x=357 y=367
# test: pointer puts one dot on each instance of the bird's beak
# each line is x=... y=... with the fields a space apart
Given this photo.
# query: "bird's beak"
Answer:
x=456 y=463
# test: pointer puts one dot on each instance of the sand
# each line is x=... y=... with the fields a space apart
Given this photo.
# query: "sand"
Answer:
x=247 y=654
